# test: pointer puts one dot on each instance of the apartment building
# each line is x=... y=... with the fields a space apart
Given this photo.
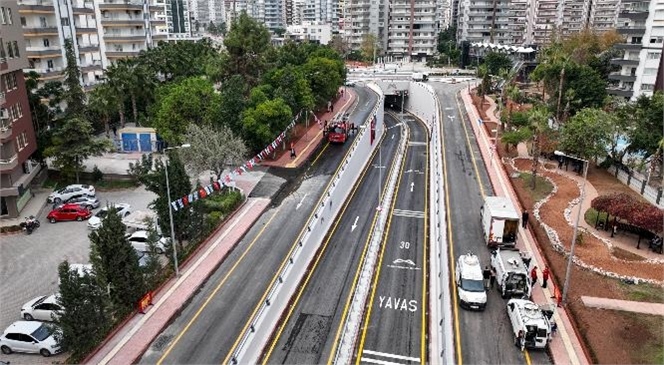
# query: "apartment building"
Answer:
x=17 y=134
x=206 y=11
x=642 y=24
x=604 y=15
x=485 y=21
x=321 y=33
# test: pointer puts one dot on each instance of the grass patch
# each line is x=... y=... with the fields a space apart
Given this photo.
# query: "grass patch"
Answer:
x=591 y=217
x=626 y=255
x=106 y=185
x=651 y=351
x=643 y=292
x=542 y=186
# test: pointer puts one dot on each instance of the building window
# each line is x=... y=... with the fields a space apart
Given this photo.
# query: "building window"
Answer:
x=22 y=141
x=9 y=16
x=3 y=55
x=2 y=15
x=19 y=109
x=647 y=87
x=649 y=71
x=42 y=22
x=46 y=42
x=16 y=53
x=23 y=22
x=10 y=50
x=656 y=39
x=653 y=55
x=49 y=64
x=64 y=21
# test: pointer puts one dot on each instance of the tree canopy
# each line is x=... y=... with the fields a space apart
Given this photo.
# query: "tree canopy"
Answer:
x=588 y=133
x=264 y=121
x=495 y=62
x=246 y=45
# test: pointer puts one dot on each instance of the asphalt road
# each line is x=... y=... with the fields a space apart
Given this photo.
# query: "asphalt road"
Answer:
x=208 y=327
x=310 y=329
x=482 y=337
x=394 y=325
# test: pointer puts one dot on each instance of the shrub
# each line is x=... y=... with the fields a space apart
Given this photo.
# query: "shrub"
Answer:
x=97 y=175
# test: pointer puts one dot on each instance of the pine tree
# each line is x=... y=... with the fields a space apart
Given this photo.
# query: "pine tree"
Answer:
x=74 y=94
x=115 y=263
x=85 y=319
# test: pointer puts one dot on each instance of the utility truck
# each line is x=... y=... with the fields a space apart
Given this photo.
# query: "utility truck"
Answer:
x=470 y=283
x=420 y=76
x=531 y=325
x=500 y=221
x=511 y=273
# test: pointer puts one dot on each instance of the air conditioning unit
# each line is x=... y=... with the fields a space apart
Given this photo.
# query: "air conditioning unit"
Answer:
x=4 y=114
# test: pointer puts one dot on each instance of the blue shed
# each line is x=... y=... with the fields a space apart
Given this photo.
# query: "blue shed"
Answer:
x=138 y=139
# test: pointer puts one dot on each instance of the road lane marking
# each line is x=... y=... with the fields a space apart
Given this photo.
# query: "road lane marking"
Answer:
x=394 y=356
x=408 y=213
x=415 y=143
x=402 y=261
x=282 y=324
x=425 y=282
x=412 y=186
x=380 y=362
x=352 y=228
x=367 y=319
x=301 y=201
x=403 y=267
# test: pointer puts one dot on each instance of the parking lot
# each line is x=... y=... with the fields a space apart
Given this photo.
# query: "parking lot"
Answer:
x=28 y=263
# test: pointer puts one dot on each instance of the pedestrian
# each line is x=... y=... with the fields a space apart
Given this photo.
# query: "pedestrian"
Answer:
x=493 y=278
x=545 y=276
x=526 y=258
x=524 y=218
x=554 y=328
x=486 y=274
x=292 y=150
x=533 y=276
x=519 y=341
x=115 y=130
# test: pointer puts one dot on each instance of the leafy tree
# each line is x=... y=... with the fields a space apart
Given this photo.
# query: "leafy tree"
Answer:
x=495 y=62
x=232 y=93
x=74 y=94
x=646 y=116
x=246 y=45
x=152 y=268
x=447 y=46
x=538 y=124
x=279 y=31
x=116 y=83
x=115 y=263
x=172 y=61
x=212 y=149
x=152 y=174
x=191 y=100
x=588 y=133
x=290 y=84
x=648 y=217
x=338 y=44
x=43 y=114
x=262 y=123
x=102 y=101
x=485 y=86
x=72 y=143
x=369 y=47
x=324 y=78
x=86 y=317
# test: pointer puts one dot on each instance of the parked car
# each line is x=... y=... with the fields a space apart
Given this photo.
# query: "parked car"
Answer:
x=69 y=191
x=86 y=201
x=139 y=241
x=44 y=308
x=30 y=337
x=68 y=212
x=123 y=210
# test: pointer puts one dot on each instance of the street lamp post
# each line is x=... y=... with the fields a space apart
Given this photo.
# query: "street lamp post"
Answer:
x=570 y=259
x=170 y=209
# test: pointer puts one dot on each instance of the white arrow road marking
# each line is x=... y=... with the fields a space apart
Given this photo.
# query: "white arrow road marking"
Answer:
x=451 y=116
x=354 y=224
x=412 y=185
x=402 y=261
x=393 y=136
x=301 y=201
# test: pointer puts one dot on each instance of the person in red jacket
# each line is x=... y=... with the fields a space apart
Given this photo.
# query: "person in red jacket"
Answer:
x=545 y=276
x=533 y=276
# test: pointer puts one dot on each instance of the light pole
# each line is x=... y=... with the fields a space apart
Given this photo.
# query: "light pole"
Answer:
x=170 y=209
x=576 y=223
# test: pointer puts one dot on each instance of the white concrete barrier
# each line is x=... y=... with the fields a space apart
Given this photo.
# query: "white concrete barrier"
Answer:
x=262 y=324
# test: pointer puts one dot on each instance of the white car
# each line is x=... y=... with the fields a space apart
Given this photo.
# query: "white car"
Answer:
x=29 y=337
x=95 y=221
x=69 y=191
x=139 y=241
x=89 y=202
x=42 y=309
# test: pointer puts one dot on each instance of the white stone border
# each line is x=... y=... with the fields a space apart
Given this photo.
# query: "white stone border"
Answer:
x=558 y=246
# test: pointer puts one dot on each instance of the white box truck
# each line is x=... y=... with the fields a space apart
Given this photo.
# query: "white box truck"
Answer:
x=530 y=324
x=500 y=221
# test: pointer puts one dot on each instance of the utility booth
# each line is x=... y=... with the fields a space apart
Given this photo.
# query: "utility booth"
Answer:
x=138 y=139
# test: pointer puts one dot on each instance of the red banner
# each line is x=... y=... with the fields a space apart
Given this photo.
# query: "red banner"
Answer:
x=145 y=302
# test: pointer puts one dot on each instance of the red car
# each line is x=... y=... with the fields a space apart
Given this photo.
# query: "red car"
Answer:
x=68 y=212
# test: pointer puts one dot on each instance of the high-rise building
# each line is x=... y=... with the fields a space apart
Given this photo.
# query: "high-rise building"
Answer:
x=207 y=11
x=17 y=133
x=641 y=22
x=485 y=21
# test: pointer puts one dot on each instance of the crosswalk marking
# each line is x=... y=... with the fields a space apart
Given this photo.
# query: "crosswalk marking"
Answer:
x=415 y=143
x=393 y=356
x=408 y=213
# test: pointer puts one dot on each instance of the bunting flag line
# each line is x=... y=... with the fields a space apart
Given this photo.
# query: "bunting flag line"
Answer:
x=249 y=165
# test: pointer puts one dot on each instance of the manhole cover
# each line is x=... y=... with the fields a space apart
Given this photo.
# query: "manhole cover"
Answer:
x=161 y=341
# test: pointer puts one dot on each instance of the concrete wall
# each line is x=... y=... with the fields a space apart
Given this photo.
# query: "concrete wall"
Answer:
x=337 y=191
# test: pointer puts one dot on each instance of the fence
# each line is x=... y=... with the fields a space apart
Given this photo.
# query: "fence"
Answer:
x=639 y=184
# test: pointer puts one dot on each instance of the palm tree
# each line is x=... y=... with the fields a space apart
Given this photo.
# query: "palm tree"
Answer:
x=538 y=124
x=116 y=78
x=103 y=101
x=138 y=82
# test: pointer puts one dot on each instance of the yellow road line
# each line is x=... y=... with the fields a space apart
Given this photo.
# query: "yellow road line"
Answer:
x=425 y=283
x=450 y=244
x=320 y=153
x=209 y=298
x=315 y=139
x=283 y=263
x=315 y=265
x=380 y=262
x=527 y=355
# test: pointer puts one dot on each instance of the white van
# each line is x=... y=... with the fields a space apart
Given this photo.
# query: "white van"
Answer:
x=529 y=320
x=470 y=283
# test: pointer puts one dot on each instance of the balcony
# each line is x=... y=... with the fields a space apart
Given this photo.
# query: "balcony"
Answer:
x=43 y=52
x=35 y=6
x=125 y=37
x=121 y=5
x=35 y=32
x=632 y=30
x=88 y=48
x=2 y=97
x=8 y=164
x=122 y=54
x=47 y=73
x=5 y=130
x=620 y=91
x=634 y=14
x=617 y=76
x=84 y=8
x=92 y=66
x=629 y=46
x=625 y=62
x=122 y=21
x=86 y=29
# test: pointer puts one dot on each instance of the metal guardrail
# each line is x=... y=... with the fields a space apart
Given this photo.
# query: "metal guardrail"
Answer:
x=352 y=322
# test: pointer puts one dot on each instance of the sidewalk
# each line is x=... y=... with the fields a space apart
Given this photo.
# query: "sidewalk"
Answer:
x=130 y=341
x=624 y=305
x=566 y=348
x=310 y=138
x=34 y=207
